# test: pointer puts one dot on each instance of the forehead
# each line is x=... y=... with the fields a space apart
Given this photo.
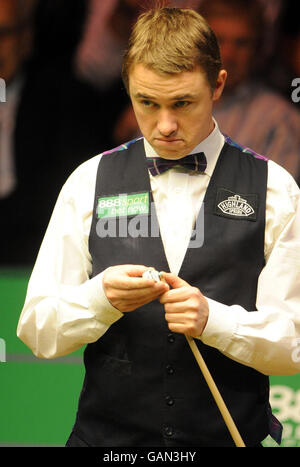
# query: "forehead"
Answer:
x=146 y=82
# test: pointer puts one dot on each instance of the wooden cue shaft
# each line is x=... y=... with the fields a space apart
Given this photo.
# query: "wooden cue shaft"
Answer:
x=216 y=394
x=214 y=390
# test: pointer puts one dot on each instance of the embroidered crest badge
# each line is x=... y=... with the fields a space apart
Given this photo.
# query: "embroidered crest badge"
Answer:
x=236 y=205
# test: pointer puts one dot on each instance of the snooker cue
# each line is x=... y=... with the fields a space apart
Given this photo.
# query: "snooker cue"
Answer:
x=152 y=274
x=216 y=394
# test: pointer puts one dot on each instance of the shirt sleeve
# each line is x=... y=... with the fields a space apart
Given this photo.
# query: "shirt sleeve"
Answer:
x=268 y=339
x=65 y=309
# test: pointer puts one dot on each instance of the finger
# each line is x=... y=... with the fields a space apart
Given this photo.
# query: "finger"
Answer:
x=175 y=320
x=175 y=307
x=180 y=328
x=181 y=316
x=137 y=303
x=125 y=279
x=176 y=295
x=132 y=283
x=174 y=281
x=135 y=270
x=155 y=289
x=130 y=304
x=183 y=325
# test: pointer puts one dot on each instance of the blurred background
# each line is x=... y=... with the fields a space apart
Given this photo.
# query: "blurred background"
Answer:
x=64 y=102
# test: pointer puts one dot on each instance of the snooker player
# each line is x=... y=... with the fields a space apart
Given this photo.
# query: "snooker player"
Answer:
x=237 y=293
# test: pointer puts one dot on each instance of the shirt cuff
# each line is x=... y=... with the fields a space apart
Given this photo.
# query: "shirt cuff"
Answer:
x=104 y=311
x=221 y=325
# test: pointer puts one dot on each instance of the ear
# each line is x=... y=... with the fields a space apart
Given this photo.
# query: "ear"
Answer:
x=221 y=80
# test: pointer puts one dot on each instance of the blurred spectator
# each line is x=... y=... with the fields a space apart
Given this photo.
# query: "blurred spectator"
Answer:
x=107 y=29
x=291 y=38
x=106 y=32
x=15 y=46
x=59 y=26
x=249 y=111
x=99 y=57
x=286 y=61
x=271 y=10
x=50 y=122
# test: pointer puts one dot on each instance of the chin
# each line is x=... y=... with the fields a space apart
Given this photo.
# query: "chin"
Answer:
x=170 y=153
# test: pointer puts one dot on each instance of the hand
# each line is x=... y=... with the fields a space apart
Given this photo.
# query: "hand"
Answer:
x=126 y=290
x=186 y=309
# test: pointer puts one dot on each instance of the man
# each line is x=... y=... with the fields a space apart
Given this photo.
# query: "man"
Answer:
x=240 y=28
x=237 y=294
x=15 y=47
x=43 y=135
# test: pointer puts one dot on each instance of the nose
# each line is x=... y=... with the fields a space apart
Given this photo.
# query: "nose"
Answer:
x=167 y=124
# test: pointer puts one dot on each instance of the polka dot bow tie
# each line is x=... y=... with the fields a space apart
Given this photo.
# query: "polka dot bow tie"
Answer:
x=194 y=162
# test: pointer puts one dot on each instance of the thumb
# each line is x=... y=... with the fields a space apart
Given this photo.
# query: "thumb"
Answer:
x=174 y=281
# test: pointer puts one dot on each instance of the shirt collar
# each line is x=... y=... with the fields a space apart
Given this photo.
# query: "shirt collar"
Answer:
x=211 y=146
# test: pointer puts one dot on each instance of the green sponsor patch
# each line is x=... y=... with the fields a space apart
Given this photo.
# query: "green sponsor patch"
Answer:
x=123 y=205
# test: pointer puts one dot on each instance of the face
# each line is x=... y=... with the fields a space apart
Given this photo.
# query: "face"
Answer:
x=237 y=45
x=174 y=112
x=12 y=41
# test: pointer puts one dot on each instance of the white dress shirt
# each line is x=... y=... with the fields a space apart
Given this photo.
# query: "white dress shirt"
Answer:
x=64 y=309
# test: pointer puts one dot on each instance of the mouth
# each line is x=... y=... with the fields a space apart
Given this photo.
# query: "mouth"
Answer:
x=168 y=141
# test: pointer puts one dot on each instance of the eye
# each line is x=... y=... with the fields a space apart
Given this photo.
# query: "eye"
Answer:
x=181 y=104
x=147 y=103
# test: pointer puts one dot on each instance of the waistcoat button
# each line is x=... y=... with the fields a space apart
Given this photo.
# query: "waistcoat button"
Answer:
x=168 y=431
x=169 y=400
x=171 y=338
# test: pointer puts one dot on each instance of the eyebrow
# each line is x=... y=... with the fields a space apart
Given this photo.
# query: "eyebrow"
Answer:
x=182 y=97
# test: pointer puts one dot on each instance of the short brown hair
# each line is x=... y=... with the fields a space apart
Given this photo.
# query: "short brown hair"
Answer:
x=172 y=40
